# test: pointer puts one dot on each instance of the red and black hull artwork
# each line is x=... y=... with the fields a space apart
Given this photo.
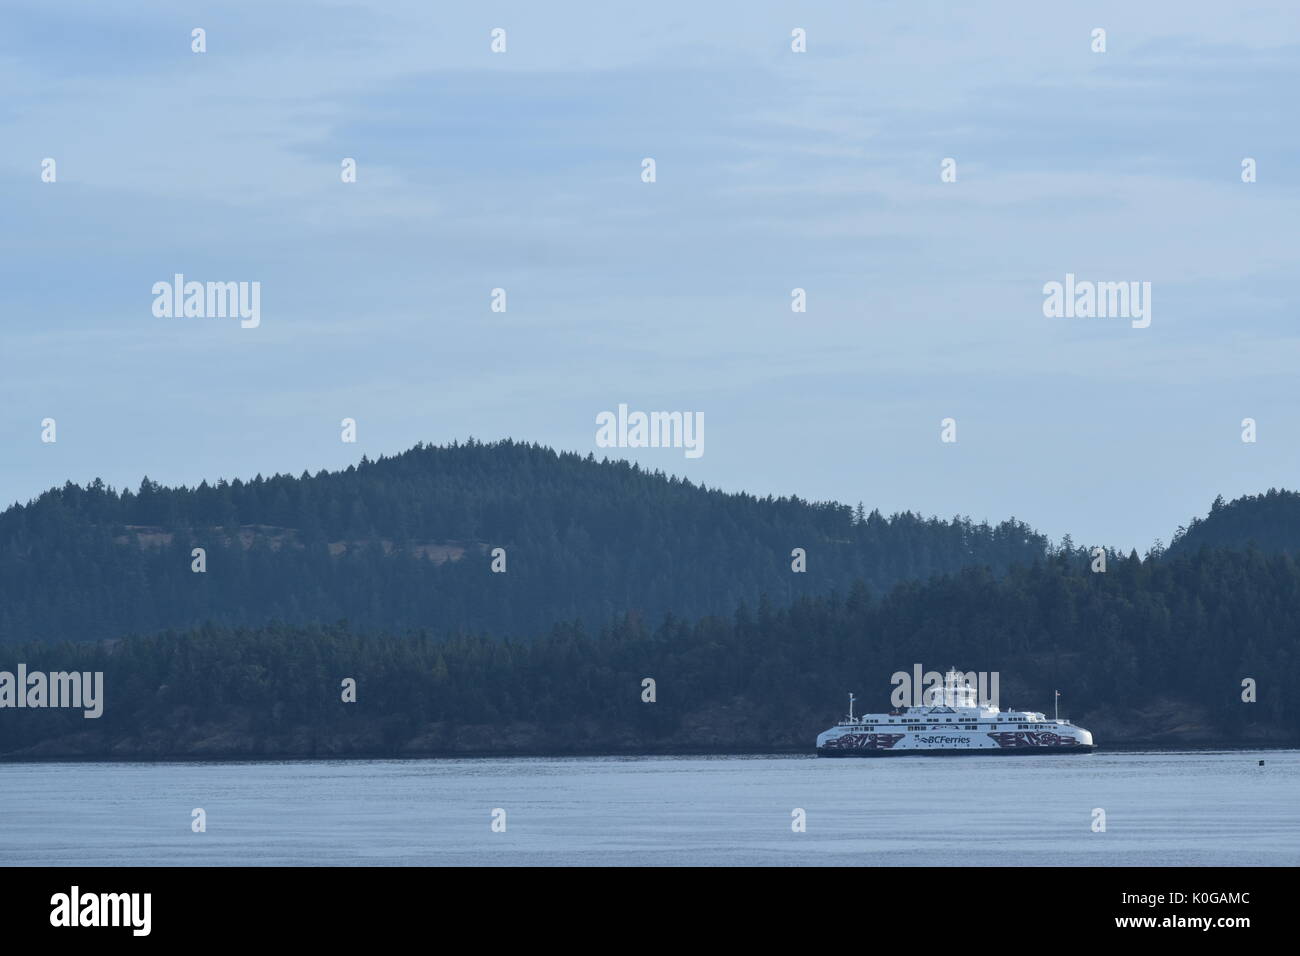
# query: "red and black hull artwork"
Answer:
x=1034 y=741
x=859 y=745
x=1016 y=742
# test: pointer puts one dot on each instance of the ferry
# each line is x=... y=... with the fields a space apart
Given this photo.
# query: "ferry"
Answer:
x=956 y=724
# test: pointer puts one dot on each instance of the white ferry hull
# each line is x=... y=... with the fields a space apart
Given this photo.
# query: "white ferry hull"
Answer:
x=1010 y=743
x=950 y=724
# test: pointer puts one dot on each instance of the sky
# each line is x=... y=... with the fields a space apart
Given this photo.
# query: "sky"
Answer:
x=775 y=170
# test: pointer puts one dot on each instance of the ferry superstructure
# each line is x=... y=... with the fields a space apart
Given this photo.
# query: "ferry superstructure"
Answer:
x=954 y=725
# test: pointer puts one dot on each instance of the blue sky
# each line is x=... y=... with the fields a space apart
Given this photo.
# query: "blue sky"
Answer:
x=775 y=170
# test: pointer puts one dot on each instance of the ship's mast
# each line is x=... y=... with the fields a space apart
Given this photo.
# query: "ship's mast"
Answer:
x=851 y=698
x=1056 y=705
x=957 y=691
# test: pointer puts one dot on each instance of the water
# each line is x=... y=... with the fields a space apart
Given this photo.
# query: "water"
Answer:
x=1161 y=809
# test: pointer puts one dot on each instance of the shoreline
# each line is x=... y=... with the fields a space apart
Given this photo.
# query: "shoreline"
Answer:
x=809 y=753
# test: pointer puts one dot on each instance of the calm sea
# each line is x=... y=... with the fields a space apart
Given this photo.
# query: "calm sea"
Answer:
x=1160 y=809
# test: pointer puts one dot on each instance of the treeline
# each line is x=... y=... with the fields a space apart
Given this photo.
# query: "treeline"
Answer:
x=1270 y=521
x=404 y=542
x=1152 y=649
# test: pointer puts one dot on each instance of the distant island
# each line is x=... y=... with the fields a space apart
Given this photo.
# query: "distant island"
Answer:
x=382 y=575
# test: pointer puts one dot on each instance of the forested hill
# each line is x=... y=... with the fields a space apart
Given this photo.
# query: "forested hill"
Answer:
x=404 y=543
x=1153 y=650
x=1270 y=522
